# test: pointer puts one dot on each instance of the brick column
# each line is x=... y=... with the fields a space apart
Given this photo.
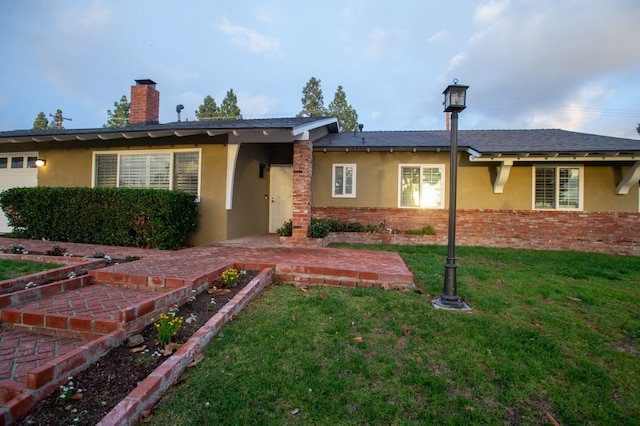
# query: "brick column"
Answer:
x=302 y=169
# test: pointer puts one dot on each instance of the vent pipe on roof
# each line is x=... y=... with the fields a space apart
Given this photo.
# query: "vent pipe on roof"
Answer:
x=179 y=108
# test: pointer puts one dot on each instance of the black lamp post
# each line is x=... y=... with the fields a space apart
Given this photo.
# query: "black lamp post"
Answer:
x=455 y=97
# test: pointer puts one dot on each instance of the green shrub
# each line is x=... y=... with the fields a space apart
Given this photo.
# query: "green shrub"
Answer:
x=425 y=230
x=112 y=216
x=286 y=230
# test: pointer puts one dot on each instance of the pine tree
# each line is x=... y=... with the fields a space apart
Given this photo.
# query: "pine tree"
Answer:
x=119 y=117
x=41 y=122
x=312 y=100
x=229 y=108
x=208 y=110
x=347 y=116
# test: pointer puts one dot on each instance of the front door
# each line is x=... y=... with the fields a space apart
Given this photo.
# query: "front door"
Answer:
x=280 y=193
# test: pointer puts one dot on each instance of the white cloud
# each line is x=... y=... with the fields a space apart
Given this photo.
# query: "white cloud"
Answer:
x=546 y=53
x=439 y=37
x=383 y=44
x=255 y=106
x=248 y=39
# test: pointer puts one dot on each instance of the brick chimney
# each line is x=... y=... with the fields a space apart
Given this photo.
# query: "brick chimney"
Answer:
x=145 y=103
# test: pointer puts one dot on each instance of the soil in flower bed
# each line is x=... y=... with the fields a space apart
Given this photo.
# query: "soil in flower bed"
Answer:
x=104 y=384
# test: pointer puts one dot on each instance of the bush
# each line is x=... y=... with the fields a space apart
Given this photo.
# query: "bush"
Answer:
x=425 y=230
x=111 y=216
x=286 y=230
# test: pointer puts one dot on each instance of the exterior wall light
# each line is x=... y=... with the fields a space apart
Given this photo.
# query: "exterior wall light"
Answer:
x=40 y=162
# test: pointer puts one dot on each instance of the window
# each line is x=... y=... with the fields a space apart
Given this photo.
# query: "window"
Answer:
x=178 y=170
x=31 y=162
x=17 y=162
x=421 y=185
x=3 y=162
x=344 y=180
x=558 y=188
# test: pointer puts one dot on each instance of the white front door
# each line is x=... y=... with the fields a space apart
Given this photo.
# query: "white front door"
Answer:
x=16 y=170
x=280 y=193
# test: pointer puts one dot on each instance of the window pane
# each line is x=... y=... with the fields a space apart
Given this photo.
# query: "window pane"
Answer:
x=3 y=162
x=185 y=172
x=348 y=181
x=31 y=162
x=17 y=162
x=339 y=180
x=431 y=195
x=106 y=170
x=410 y=186
x=144 y=171
x=569 y=188
x=545 y=188
x=158 y=177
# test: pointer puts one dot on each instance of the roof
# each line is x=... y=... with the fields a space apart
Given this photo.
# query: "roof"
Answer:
x=289 y=126
x=485 y=143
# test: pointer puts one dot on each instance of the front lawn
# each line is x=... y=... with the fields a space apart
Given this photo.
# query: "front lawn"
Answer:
x=552 y=335
x=16 y=268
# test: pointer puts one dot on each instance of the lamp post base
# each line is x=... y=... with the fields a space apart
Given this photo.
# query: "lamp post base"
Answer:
x=450 y=305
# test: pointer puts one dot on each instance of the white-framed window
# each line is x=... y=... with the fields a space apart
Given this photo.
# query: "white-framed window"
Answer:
x=157 y=169
x=18 y=161
x=344 y=180
x=421 y=186
x=558 y=187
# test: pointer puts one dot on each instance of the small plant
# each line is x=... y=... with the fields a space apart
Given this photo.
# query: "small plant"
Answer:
x=100 y=255
x=68 y=391
x=18 y=249
x=191 y=318
x=230 y=277
x=425 y=230
x=71 y=275
x=31 y=284
x=286 y=230
x=167 y=325
x=56 y=251
x=212 y=304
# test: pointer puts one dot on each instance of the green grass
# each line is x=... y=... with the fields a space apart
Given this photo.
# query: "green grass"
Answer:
x=15 y=268
x=550 y=332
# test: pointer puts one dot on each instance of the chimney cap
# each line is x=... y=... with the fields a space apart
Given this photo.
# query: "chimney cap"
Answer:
x=146 y=81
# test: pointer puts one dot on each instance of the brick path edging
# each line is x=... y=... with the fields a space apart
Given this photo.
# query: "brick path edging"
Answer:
x=148 y=393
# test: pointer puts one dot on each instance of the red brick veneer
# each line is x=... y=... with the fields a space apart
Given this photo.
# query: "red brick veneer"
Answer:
x=605 y=232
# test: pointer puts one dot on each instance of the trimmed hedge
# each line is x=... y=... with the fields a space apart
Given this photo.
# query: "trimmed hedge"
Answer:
x=155 y=218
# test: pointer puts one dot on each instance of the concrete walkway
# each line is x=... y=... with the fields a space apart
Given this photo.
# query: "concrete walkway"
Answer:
x=49 y=332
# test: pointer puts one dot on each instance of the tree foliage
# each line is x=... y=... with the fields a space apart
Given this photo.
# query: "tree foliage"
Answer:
x=347 y=115
x=228 y=110
x=41 y=122
x=313 y=106
x=312 y=100
x=208 y=110
x=119 y=117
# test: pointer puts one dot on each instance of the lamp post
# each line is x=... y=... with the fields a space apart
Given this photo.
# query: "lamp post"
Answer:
x=455 y=97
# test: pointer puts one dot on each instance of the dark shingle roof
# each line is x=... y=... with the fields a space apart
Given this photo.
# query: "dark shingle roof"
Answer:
x=293 y=123
x=482 y=141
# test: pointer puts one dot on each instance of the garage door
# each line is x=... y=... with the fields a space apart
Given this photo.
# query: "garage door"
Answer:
x=17 y=169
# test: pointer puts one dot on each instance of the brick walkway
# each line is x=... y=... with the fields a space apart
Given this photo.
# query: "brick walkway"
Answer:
x=35 y=332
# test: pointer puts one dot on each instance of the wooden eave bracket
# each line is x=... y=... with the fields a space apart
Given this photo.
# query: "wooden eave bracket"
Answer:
x=503 y=176
x=630 y=178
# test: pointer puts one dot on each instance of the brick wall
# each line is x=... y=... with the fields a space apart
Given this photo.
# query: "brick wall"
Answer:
x=302 y=169
x=616 y=233
x=145 y=104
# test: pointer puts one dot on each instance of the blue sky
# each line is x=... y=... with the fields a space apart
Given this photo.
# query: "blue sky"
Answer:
x=570 y=64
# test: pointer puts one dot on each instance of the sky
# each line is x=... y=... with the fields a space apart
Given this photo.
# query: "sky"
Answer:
x=530 y=64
